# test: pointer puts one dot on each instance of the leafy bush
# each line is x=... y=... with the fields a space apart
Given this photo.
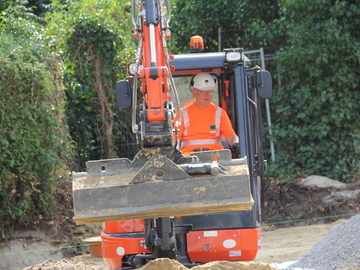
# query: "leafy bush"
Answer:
x=92 y=36
x=249 y=24
x=40 y=6
x=317 y=109
x=34 y=148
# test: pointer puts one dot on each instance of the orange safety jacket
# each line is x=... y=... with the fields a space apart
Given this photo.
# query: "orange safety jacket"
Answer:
x=202 y=129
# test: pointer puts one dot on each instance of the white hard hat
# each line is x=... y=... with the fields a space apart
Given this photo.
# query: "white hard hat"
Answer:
x=203 y=81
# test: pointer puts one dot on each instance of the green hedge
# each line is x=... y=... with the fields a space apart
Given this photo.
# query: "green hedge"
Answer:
x=34 y=148
x=316 y=113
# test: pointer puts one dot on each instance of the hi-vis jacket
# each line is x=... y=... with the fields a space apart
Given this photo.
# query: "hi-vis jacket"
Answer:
x=202 y=129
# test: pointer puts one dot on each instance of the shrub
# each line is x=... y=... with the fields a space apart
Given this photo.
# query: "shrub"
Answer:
x=34 y=148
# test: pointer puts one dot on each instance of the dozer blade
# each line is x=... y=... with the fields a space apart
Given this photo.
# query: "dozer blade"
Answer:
x=117 y=189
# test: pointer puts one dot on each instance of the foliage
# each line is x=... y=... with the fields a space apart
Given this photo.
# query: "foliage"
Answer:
x=247 y=24
x=4 y=4
x=37 y=7
x=40 y=6
x=93 y=40
x=33 y=143
x=317 y=110
x=22 y=23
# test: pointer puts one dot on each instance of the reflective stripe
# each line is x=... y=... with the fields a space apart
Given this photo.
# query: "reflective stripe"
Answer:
x=216 y=140
x=200 y=142
x=186 y=121
x=217 y=120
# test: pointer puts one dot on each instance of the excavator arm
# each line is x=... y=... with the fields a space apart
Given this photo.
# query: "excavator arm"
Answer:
x=155 y=129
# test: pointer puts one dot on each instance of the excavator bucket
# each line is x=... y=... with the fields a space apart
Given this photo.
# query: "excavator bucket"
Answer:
x=158 y=186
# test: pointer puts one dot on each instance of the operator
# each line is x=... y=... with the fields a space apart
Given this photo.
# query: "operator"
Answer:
x=204 y=123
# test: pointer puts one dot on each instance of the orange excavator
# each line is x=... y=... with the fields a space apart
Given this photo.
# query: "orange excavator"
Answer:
x=197 y=208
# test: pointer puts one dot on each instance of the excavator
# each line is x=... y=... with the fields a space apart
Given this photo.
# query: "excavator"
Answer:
x=197 y=208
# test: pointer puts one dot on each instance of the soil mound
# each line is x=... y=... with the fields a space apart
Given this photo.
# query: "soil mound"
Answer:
x=311 y=200
x=168 y=264
x=59 y=265
x=225 y=265
x=158 y=264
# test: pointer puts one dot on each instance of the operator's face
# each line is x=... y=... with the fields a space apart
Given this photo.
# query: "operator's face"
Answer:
x=203 y=98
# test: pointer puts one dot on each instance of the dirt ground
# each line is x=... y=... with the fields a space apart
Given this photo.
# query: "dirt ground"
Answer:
x=296 y=217
x=278 y=246
x=291 y=244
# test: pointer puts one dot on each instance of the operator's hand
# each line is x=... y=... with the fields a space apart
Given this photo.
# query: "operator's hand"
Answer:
x=235 y=150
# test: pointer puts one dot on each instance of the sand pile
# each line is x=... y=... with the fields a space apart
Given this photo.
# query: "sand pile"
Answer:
x=168 y=264
x=158 y=264
x=338 y=250
x=59 y=265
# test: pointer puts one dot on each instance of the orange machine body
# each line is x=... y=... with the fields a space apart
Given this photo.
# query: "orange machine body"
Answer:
x=228 y=245
x=121 y=238
x=125 y=238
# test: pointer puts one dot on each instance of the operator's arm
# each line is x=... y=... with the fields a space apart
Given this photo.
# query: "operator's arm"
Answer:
x=230 y=135
x=227 y=130
x=233 y=139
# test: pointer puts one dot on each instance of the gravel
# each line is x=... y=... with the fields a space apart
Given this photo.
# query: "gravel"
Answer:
x=338 y=250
